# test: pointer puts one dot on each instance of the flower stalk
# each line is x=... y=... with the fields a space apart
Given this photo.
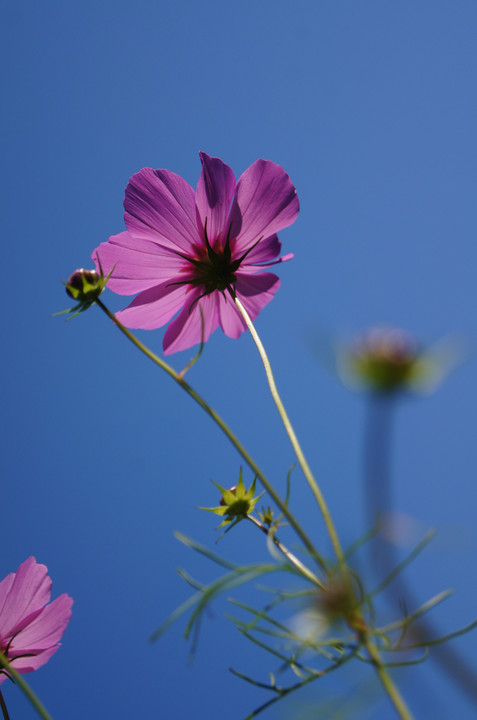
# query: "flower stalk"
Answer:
x=292 y=559
x=39 y=707
x=293 y=438
x=225 y=429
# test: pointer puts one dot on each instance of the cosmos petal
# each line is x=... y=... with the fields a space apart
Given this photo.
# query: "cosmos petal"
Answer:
x=136 y=264
x=30 y=590
x=231 y=321
x=32 y=662
x=160 y=206
x=265 y=202
x=154 y=307
x=46 y=629
x=256 y=291
x=186 y=329
x=215 y=191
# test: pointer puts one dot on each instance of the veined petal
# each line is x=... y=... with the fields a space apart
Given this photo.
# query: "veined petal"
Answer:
x=5 y=586
x=215 y=191
x=154 y=307
x=160 y=206
x=265 y=202
x=33 y=662
x=267 y=249
x=30 y=590
x=46 y=630
x=138 y=264
x=256 y=291
x=231 y=321
x=258 y=268
x=197 y=321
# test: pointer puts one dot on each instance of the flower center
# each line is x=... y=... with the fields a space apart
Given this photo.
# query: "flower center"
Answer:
x=214 y=270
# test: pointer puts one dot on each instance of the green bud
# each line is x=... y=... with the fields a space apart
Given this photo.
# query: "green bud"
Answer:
x=84 y=285
x=236 y=502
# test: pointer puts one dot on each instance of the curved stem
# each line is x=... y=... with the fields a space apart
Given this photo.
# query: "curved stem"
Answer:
x=386 y=681
x=292 y=559
x=39 y=707
x=293 y=438
x=225 y=429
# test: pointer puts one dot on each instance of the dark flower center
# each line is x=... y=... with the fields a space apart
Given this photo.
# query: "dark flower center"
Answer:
x=214 y=268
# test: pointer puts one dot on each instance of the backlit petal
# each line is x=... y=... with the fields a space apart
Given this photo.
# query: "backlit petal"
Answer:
x=137 y=264
x=188 y=328
x=160 y=206
x=215 y=191
x=30 y=590
x=256 y=291
x=265 y=202
x=154 y=307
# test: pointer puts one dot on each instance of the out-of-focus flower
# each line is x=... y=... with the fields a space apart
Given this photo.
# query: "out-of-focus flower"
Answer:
x=336 y=603
x=30 y=626
x=386 y=360
x=236 y=502
x=185 y=251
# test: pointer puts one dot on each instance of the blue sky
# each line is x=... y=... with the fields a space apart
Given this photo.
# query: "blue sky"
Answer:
x=371 y=108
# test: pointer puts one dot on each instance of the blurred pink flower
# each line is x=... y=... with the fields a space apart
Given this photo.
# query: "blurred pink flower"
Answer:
x=184 y=251
x=30 y=626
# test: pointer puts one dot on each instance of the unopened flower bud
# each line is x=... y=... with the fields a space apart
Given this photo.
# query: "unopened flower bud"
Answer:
x=84 y=285
x=233 y=490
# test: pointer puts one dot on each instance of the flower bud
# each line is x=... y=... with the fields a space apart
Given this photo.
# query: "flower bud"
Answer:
x=84 y=285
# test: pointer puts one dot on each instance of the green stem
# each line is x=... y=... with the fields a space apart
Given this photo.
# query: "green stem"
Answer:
x=225 y=429
x=293 y=438
x=41 y=710
x=3 y=708
x=306 y=572
x=386 y=681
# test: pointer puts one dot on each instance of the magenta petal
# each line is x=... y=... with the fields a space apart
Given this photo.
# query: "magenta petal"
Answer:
x=265 y=202
x=160 y=206
x=30 y=590
x=231 y=321
x=33 y=662
x=46 y=630
x=5 y=586
x=267 y=249
x=215 y=191
x=256 y=291
x=136 y=264
x=186 y=329
x=153 y=308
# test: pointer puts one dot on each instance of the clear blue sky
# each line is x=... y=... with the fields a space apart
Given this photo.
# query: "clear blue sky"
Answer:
x=371 y=107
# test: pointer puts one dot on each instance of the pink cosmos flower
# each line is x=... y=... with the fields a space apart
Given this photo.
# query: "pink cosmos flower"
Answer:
x=30 y=626
x=188 y=253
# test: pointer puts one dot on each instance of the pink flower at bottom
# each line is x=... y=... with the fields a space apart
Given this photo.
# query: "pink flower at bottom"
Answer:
x=30 y=626
x=186 y=252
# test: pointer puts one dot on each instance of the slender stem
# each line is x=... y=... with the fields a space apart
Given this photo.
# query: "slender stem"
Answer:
x=293 y=438
x=3 y=708
x=306 y=572
x=39 y=707
x=225 y=429
x=386 y=681
x=378 y=490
